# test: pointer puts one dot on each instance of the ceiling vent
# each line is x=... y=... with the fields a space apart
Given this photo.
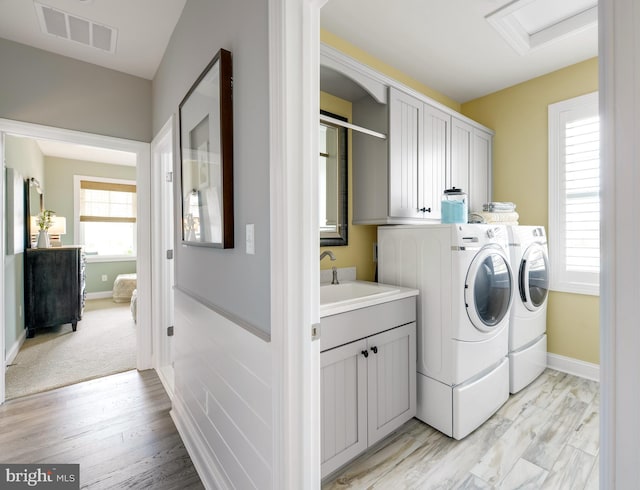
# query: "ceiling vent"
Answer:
x=64 y=25
x=530 y=24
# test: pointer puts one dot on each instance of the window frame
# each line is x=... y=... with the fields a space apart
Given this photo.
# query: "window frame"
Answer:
x=76 y=219
x=562 y=279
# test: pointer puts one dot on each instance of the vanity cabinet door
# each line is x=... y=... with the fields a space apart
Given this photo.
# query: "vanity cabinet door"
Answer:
x=405 y=154
x=343 y=406
x=391 y=367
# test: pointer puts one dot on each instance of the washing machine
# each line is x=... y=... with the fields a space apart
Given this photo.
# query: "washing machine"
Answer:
x=466 y=289
x=528 y=321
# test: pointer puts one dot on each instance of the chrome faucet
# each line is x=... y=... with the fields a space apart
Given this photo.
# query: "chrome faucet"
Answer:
x=329 y=253
x=334 y=270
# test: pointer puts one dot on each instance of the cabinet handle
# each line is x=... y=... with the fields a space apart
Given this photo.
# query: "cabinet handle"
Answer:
x=374 y=349
x=425 y=210
x=365 y=353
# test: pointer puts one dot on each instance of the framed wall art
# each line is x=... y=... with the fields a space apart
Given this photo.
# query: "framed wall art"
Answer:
x=206 y=156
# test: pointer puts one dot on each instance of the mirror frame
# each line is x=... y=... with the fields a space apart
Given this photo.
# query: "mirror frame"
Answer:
x=219 y=105
x=30 y=184
x=341 y=237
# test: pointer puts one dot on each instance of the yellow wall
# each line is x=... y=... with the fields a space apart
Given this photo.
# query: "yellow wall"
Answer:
x=359 y=251
x=520 y=174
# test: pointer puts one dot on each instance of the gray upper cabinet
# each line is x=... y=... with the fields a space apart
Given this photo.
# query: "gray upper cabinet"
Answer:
x=429 y=148
x=436 y=151
x=471 y=160
x=405 y=155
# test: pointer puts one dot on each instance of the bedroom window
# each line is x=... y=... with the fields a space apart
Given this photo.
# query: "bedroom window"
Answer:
x=106 y=217
x=574 y=195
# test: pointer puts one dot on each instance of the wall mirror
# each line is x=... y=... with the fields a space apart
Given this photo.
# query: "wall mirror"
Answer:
x=34 y=205
x=206 y=151
x=333 y=174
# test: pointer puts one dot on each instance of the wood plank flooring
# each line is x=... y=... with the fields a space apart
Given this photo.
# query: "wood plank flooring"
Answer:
x=545 y=437
x=117 y=428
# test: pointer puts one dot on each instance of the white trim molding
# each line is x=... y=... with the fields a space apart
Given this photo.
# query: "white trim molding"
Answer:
x=100 y=295
x=143 y=262
x=3 y=230
x=619 y=67
x=294 y=61
x=193 y=442
x=576 y=367
x=15 y=348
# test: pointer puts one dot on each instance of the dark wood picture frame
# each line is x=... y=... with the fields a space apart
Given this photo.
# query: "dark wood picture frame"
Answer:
x=206 y=157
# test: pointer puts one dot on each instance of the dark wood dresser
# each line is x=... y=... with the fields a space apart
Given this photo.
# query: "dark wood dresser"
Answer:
x=54 y=287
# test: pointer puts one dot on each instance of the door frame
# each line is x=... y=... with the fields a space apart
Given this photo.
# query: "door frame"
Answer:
x=162 y=292
x=143 y=193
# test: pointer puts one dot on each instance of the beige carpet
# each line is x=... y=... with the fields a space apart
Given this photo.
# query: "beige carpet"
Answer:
x=104 y=343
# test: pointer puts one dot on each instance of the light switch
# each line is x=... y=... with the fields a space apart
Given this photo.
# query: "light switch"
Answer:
x=250 y=239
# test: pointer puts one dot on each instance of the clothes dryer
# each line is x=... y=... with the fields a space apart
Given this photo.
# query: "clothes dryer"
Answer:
x=466 y=288
x=528 y=320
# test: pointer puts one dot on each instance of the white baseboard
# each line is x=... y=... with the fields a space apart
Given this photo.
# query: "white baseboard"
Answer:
x=100 y=295
x=205 y=462
x=15 y=348
x=573 y=366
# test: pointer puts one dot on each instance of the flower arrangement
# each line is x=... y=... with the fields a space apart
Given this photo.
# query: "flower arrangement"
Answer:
x=45 y=219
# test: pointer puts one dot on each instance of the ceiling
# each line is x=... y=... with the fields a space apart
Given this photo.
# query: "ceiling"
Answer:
x=447 y=45
x=143 y=27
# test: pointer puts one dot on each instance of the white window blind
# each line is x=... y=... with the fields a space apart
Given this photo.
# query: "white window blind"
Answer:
x=106 y=217
x=107 y=202
x=574 y=195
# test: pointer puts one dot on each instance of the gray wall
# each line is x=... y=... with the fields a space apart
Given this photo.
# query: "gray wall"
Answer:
x=59 y=196
x=23 y=155
x=233 y=281
x=53 y=90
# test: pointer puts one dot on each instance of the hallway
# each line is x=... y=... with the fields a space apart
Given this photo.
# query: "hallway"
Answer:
x=117 y=428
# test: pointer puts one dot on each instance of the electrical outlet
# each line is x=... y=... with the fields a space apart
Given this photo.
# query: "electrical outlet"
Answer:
x=250 y=239
x=104 y=278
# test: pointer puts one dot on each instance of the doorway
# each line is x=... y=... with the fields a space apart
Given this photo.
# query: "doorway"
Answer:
x=163 y=247
x=143 y=259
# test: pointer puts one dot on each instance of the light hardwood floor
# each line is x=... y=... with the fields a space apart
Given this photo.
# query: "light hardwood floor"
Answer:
x=117 y=428
x=545 y=437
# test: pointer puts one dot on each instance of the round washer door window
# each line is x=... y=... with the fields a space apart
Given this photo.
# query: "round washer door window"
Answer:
x=488 y=289
x=533 y=277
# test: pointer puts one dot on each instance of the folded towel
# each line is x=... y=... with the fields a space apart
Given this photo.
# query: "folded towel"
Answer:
x=502 y=218
x=494 y=207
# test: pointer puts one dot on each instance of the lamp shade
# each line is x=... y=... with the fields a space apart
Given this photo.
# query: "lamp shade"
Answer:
x=58 y=225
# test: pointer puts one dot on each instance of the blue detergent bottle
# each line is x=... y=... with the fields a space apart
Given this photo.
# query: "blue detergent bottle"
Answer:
x=454 y=206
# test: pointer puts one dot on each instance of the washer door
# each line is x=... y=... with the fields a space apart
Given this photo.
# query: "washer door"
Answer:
x=488 y=288
x=533 y=277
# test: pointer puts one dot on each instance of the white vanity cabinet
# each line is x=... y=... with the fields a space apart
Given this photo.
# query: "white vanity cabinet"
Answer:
x=368 y=385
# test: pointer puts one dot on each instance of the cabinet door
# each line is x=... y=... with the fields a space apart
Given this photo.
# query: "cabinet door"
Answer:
x=480 y=169
x=436 y=157
x=343 y=398
x=391 y=377
x=405 y=141
x=461 y=142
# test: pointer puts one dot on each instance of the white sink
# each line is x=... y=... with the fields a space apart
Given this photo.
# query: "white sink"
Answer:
x=346 y=296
